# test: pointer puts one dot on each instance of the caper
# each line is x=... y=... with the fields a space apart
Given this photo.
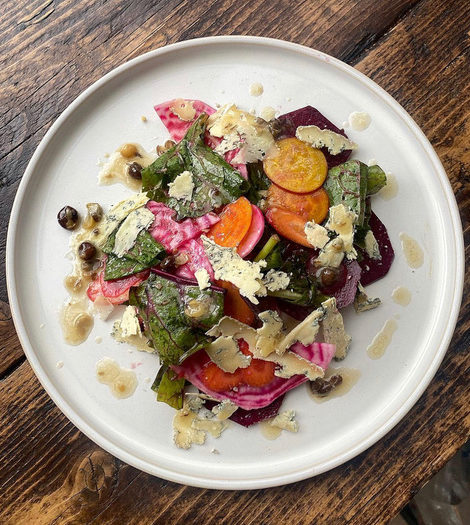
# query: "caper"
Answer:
x=134 y=169
x=327 y=276
x=68 y=217
x=322 y=387
x=128 y=150
x=86 y=251
x=168 y=145
x=95 y=211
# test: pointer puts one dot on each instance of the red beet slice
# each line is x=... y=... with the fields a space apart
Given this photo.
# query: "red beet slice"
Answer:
x=309 y=116
x=374 y=269
x=344 y=294
x=247 y=418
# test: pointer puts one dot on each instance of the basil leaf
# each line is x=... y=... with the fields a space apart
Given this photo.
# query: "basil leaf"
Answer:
x=145 y=253
x=216 y=182
x=169 y=388
x=347 y=184
x=176 y=315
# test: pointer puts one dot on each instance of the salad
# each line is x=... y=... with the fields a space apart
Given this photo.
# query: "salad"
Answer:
x=244 y=240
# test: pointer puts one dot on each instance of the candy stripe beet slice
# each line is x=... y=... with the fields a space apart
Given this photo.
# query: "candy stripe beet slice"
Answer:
x=250 y=397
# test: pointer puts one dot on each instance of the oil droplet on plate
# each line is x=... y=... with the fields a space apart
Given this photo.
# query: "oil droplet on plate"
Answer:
x=76 y=322
x=350 y=378
x=412 y=251
x=401 y=296
x=269 y=431
x=390 y=190
x=121 y=381
x=381 y=341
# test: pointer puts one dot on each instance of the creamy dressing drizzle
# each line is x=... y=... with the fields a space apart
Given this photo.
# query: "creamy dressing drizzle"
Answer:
x=390 y=190
x=412 y=250
x=401 y=296
x=76 y=321
x=381 y=341
x=121 y=381
x=359 y=120
x=269 y=431
x=115 y=170
x=350 y=378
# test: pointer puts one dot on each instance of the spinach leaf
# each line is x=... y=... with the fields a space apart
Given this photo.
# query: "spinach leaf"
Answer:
x=215 y=181
x=176 y=314
x=169 y=388
x=347 y=184
x=351 y=183
x=376 y=179
x=145 y=253
x=259 y=182
x=294 y=261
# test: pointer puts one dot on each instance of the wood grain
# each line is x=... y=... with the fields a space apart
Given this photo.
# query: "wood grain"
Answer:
x=419 y=52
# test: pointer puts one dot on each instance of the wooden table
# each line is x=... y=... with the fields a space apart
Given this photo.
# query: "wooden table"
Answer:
x=418 y=50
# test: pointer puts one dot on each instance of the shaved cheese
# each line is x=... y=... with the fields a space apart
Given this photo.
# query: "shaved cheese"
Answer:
x=229 y=266
x=225 y=354
x=324 y=138
x=317 y=235
x=134 y=223
x=240 y=129
x=286 y=421
x=269 y=335
x=333 y=329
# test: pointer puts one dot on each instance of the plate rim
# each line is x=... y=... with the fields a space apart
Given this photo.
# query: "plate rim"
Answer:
x=264 y=481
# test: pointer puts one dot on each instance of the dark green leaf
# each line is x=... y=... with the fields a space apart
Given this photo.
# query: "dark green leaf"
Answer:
x=145 y=253
x=169 y=388
x=347 y=184
x=293 y=261
x=215 y=181
x=259 y=182
x=376 y=179
x=176 y=315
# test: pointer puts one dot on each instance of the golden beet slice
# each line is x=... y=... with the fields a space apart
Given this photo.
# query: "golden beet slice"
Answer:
x=296 y=166
x=311 y=206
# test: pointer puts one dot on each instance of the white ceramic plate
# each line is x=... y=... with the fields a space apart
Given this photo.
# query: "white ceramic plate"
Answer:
x=64 y=170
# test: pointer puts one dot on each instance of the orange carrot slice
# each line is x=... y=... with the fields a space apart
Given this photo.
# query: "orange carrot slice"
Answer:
x=234 y=305
x=234 y=223
x=288 y=224
x=296 y=166
x=311 y=206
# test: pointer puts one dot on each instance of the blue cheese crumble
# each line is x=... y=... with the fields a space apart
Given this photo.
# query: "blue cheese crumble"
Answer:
x=182 y=187
x=203 y=279
x=286 y=421
x=134 y=223
x=324 y=138
x=229 y=266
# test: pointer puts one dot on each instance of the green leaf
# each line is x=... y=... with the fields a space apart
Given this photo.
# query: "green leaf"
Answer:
x=376 y=179
x=347 y=184
x=215 y=181
x=176 y=315
x=145 y=253
x=301 y=289
x=259 y=182
x=169 y=388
